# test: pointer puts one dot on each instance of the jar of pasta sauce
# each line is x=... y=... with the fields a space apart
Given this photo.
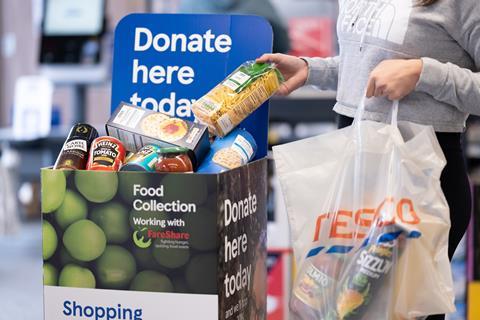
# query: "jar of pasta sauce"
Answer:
x=174 y=159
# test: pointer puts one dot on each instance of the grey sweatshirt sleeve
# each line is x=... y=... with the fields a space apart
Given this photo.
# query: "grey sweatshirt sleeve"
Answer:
x=448 y=82
x=451 y=84
x=323 y=72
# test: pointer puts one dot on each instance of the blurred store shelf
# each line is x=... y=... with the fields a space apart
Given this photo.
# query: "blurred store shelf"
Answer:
x=305 y=105
x=76 y=74
x=313 y=93
x=57 y=134
x=36 y=153
x=473 y=150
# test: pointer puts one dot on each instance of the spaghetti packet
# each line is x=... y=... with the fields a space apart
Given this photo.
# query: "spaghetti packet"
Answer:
x=235 y=98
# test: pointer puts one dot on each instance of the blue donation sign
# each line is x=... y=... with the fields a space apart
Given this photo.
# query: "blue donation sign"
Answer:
x=164 y=62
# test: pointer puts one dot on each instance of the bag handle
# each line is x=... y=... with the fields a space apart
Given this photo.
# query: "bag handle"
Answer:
x=361 y=111
x=360 y=162
x=394 y=113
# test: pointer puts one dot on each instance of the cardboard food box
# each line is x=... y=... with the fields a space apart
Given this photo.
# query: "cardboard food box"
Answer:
x=137 y=127
x=148 y=246
x=179 y=246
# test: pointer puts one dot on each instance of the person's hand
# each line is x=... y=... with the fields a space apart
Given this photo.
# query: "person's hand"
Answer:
x=293 y=69
x=394 y=79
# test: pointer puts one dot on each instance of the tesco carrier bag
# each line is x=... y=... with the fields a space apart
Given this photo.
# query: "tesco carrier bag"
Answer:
x=369 y=222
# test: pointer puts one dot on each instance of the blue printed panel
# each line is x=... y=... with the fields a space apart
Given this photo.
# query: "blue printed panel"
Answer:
x=163 y=62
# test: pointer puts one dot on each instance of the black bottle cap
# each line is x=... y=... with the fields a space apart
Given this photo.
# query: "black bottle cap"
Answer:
x=83 y=131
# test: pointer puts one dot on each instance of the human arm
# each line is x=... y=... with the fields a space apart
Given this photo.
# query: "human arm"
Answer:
x=444 y=81
x=394 y=79
x=448 y=82
x=321 y=72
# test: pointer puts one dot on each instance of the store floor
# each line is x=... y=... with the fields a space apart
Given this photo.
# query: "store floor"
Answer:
x=21 y=274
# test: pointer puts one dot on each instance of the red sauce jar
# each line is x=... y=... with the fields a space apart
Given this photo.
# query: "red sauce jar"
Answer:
x=106 y=154
x=174 y=159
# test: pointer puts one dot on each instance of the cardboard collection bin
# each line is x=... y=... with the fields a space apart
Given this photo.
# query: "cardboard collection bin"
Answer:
x=146 y=246
x=149 y=244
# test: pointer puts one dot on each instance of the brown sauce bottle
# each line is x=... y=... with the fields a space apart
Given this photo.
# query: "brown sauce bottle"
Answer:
x=74 y=154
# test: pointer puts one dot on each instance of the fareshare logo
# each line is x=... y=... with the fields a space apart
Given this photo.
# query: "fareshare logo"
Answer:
x=139 y=238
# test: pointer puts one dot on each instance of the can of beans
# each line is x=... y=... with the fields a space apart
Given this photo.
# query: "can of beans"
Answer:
x=106 y=154
x=144 y=160
x=174 y=159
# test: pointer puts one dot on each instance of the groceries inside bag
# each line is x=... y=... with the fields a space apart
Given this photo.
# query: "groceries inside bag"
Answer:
x=369 y=222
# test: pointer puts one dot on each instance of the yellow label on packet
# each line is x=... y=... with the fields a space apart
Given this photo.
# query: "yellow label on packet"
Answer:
x=312 y=287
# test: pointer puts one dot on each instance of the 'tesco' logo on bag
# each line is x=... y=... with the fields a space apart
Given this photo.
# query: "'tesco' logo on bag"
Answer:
x=345 y=225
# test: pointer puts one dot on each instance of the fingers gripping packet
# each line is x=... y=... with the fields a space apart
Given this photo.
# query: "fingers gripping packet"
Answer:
x=240 y=94
x=369 y=223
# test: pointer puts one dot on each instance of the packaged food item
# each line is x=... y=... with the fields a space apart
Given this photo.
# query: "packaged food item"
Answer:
x=144 y=160
x=106 y=154
x=137 y=127
x=232 y=151
x=241 y=93
x=174 y=159
x=364 y=278
x=74 y=154
x=349 y=192
x=314 y=286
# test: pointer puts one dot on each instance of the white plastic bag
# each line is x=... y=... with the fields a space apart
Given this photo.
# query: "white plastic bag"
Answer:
x=369 y=222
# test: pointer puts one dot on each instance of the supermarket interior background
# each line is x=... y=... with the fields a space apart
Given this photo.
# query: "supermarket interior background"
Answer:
x=75 y=86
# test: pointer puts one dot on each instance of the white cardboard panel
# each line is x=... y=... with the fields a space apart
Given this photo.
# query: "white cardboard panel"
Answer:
x=153 y=305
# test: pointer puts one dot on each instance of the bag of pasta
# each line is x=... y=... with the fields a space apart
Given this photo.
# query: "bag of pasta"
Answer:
x=236 y=97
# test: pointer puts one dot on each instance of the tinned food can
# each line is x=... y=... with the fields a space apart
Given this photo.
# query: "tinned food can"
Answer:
x=144 y=160
x=106 y=154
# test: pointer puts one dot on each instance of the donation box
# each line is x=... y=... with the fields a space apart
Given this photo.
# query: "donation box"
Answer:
x=141 y=245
